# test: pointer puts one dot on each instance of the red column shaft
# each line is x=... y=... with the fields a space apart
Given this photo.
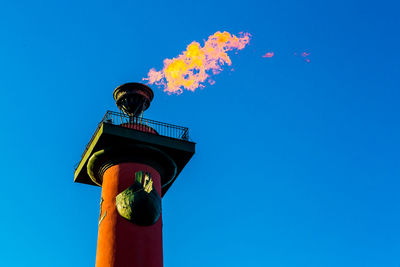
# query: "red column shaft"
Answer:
x=121 y=243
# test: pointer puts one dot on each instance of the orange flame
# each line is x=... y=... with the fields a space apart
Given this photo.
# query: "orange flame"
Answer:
x=269 y=54
x=191 y=68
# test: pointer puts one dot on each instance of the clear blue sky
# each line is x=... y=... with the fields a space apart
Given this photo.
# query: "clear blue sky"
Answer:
x=297 y=164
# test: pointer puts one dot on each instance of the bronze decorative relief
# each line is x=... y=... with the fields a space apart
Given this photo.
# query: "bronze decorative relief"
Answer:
x=140 y=203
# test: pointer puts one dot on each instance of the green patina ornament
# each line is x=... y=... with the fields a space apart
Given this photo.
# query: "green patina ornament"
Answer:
x=140 y=203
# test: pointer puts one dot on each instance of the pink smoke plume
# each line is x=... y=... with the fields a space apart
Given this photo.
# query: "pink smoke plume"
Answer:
x=304 y=55
x=268 y=54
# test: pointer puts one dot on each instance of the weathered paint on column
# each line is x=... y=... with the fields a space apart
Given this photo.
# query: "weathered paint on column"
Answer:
x=121 y=243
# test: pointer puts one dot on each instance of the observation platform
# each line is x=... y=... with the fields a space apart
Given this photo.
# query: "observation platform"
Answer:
x=118 y=129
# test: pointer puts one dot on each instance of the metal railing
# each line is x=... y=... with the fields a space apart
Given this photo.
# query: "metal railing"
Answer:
x=147 y=125
x=142 y=124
